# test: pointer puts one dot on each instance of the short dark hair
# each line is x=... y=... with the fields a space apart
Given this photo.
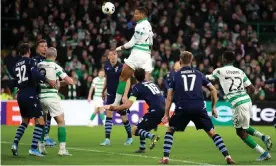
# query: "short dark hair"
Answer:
x=24 y=48
x=229 y=56
x=142 y=10
x=40 y=41
x=186 y=57
x=140 y=74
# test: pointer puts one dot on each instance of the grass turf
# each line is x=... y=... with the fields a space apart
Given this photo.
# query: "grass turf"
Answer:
x=190 y=147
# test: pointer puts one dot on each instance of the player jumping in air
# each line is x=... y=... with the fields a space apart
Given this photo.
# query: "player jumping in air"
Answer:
x=233 y=82
x=26 y=79
x=113 y=69
x=186 y=90
x=148 y=91
x=140 y=56
x=97 y=85
x=41 y=49
x=49 y=98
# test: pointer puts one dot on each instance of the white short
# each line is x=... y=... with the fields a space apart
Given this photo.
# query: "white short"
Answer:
x=242 y=115
x=98 y=101
x=52 y=105
x=141 y=59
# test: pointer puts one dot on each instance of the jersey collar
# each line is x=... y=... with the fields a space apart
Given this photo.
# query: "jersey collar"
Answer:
x=142 y=20
x=228 y=65
x=48 y=60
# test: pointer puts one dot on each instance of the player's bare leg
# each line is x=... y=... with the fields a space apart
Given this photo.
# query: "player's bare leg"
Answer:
x=108 y=127
x=127 y=72
x=242 y=133
x=221 y=146
x=101 y=114
x=128 y=129
x=62 y=135
x=19 y=133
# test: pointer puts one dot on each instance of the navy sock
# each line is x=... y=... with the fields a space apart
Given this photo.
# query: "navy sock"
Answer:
x=108 y=127
x=168 y=142
x=142 y=143
x=128 y=129
x=220 y=144
x=144 y=133
x=48 y=125
x=37 y=135
x=19 y=133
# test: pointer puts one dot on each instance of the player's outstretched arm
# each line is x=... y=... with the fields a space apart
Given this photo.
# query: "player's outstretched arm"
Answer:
x=214 y=99
x=124 y=106
x=36 y=74
x=104 y=89
x=168 y=106
x=272 y=81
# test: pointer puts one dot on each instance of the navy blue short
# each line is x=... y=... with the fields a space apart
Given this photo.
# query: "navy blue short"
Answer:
x=181 y=118
x=150 y=120
x=110 y=100
x=29 y=106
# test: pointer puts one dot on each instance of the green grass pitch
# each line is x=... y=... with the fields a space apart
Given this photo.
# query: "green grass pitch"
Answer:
x=190 y=147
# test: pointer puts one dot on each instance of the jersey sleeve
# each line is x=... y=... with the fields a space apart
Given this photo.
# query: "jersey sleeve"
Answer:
x=214 y=76
x=134 y=94
x=246 y=81
x=94 y=82
x=32 y=63
x=205 y=81
x=60 y=72
x=171 y=82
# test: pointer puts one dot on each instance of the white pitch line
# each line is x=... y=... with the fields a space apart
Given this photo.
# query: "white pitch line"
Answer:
x=122 y=154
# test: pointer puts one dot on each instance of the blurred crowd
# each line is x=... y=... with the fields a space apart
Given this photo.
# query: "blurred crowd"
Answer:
x=82 y=35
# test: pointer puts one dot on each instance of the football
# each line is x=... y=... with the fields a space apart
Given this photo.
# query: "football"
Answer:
x=108 y=8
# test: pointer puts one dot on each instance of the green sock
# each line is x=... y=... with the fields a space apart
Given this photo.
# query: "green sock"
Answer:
x=102 y=116
x=92 y=116
x=250 y=130
x=121 y=87
x=250 y=142
x=43 y=135
x=61 y=134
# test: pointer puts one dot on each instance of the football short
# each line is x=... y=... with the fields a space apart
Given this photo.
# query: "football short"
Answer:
x=181 y=118
x=30 y=106
x=98 y=101
x=150 y=120
x=110 y=100
x=139 y=59
x=241 y=115
x=52 y=106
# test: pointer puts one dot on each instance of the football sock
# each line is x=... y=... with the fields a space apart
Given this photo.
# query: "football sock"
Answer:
x=259 y=149
x=142 y=143
x=144 y=133
x=108 y=127
x=48 y=124
x=102 y=117
x=250 y=142
x=168 y=142
x=255 y=132
x=19 y=133
x=61 y=134
x=220 y=144
x=92 y=116
x=128 y=128
x=37 y=135
x=43 y=135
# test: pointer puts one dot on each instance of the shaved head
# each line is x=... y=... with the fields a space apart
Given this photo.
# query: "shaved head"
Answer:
x=51 y=53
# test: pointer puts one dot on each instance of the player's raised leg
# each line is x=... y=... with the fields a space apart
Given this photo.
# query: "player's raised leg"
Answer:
x=265 y=138
x=127 y=72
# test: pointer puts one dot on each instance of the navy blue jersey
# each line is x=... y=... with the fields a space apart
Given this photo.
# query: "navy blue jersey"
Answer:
x=112 y=76
x=149 y=92
x=38 y=59
x=27 y=76
x=187 y=86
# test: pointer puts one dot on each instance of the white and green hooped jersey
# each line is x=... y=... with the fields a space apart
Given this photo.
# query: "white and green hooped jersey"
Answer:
x=233 y=82
x=98 y=84
x=52 y=71
x=142 y=37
